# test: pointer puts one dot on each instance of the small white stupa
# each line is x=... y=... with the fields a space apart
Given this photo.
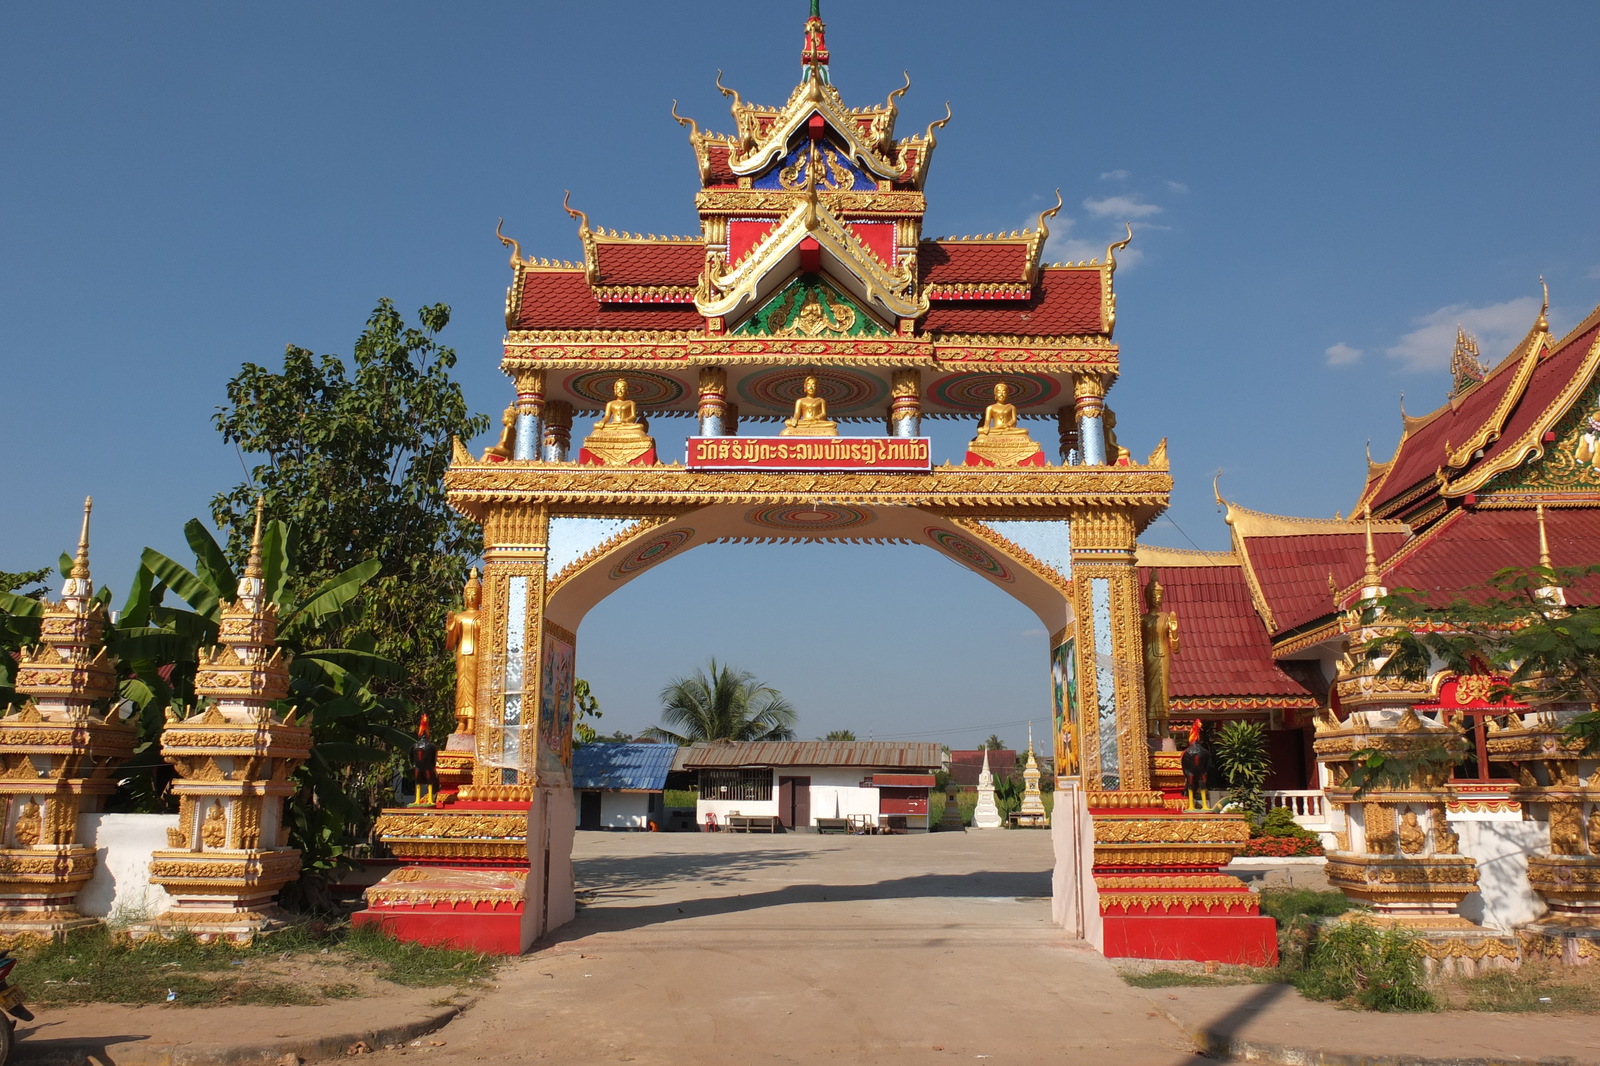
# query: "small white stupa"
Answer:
x=986 y=815
x=1032 y=812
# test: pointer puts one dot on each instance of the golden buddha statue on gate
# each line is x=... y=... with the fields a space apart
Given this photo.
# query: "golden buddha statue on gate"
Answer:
x=506 y=447
x=461 y=637
x=1000 y=441
x=810 y=415
x=619 y=438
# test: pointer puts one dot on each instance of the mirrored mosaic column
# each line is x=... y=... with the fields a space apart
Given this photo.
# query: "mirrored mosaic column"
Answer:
x=713 y=401
x=516 y=546
x=1091 y=393
x=905 y=404
x=530 y=413
x=1113 y=754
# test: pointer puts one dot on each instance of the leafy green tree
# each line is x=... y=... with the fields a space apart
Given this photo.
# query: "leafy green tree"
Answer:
x=17 y=582
x=1549 y=652
x=726 y=704
x=840 y=734
x=585 y=705
x=353 y=459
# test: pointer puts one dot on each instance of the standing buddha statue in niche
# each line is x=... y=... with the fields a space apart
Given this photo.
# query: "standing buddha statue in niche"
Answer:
x=461 y=637
x=1160 y=631
x=810 y=415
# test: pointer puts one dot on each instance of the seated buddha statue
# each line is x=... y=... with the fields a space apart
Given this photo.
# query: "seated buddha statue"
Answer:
x=506 y=446
x=810 y=415
x=1000 y=441
x=1000 y=418
x=621 y=436
x=620 y=420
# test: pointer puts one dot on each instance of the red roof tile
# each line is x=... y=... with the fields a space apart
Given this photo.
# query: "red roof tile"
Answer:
x=959 y=263
x=719 y=172
x=562 y=299
x=676 y=263
x=1549 y=378
x=1470 y=546
x=1064 y=302
x=1292 y=570
x=1423 y=451
x=1223 y=649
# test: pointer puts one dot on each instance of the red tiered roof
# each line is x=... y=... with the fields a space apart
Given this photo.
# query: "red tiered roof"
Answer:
x=1065 y=302
x=1471 y=546
x=674 y=263
x=1292 y=570
x=1549 y=379
x=1222 y=648
x=1422 y=452
x=965 y=263
x=562 y=299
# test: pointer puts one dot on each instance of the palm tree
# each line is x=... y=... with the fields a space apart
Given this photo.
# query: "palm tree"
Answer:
x=728 y=704
x=840 y=734
x=994 y=743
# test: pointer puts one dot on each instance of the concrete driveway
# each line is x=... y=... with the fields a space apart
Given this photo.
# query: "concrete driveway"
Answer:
x=719 y=948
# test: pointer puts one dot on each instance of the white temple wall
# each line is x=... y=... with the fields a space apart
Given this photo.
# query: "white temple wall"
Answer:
x=1504 y=898
x=120 y=889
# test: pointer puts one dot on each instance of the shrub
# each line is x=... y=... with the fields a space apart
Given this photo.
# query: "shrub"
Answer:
x=1243 y=758
x=1356 y=962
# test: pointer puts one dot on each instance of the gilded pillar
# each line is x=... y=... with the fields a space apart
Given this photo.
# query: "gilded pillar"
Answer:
x=557 y=431
x=1090 y=393
x=713 y=401
x=530 y=412
x=1110 y=672
x=905 y=405
x=58 y=757
x=515 y=547
x=1067 y=423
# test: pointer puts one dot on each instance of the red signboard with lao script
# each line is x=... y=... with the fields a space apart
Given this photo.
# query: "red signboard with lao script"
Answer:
x=809 y=453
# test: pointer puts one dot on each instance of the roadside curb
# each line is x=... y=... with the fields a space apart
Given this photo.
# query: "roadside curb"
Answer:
x=1230 y=1048
x=90 y=1052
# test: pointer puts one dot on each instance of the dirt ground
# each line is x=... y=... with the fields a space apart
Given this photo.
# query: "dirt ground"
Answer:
x=799 y=949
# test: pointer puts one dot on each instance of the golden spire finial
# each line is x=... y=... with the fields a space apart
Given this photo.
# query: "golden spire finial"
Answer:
x=1112 y=250
x=1544 y=543
x=1371 y=579
x=1543 y=323
x=252 y=566
x=80 y=562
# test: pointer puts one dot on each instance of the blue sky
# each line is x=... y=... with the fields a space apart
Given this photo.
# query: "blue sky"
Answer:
x=1320 y=194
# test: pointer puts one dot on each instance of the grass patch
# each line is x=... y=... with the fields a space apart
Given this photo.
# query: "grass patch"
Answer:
x=299 y=966
x=1172 y=979
x=680 y=797
x=1534 y=988
x=1288 y=904
x=416 y=965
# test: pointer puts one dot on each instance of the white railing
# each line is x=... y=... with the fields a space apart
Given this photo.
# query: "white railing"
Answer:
x=1307 y=805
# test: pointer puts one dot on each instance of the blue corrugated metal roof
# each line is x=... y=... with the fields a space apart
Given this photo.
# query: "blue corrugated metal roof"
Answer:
x=613 y=766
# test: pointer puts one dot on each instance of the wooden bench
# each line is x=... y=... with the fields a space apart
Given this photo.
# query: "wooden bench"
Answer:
x=833 y=825
x=752 y=823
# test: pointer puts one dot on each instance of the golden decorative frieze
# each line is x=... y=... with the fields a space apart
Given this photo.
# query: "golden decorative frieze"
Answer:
x=490 y=793
x=841 y=202
x=27 y=866
x=1177 y=829
x=446 y=824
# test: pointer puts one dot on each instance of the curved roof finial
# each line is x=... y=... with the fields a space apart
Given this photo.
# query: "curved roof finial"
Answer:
x=573 y=212
x=1216 y=489
x=1112 y=250
x=725 y=91
x=1543 y=324
x=509 y=242
x=1049 y=212
x=694 y=127
x=937 y=124
x=898 y=93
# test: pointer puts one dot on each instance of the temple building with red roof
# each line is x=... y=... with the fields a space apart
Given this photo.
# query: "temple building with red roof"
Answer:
x=1460 y=500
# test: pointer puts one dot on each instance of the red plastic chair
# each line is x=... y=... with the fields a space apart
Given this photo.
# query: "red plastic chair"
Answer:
x=711 y=822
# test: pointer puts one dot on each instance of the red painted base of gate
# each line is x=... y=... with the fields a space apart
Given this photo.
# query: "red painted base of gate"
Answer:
x=1245 y=940
x=492 y=928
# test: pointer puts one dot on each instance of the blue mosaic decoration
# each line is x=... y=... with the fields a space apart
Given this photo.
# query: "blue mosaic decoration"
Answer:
x=834 y=171
x=1105 y=685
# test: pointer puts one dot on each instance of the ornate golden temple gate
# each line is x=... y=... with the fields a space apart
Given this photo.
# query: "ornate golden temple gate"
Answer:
x=810 y=290
x=560 y=538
